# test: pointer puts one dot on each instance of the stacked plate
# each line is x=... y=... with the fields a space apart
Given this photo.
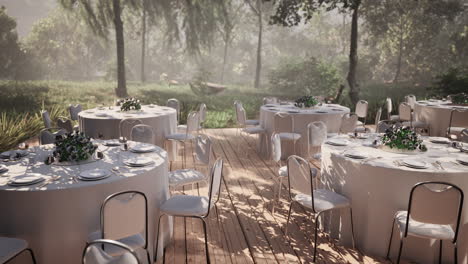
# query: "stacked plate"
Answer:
x=6 y=154
x=101 y=114
x=293 y=111
x=321 y=112
x=337 y=142
x=270 y=105
x=142 y=148
x=25 y=180
x=355 y=155
x=463 y=160
x=138 y=161
x=94 y=175
x=439 y=140
x=112 y=143
x=3 y=169
x=414 y=164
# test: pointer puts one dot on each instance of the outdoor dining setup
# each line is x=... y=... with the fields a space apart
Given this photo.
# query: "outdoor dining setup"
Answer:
x=102 y=187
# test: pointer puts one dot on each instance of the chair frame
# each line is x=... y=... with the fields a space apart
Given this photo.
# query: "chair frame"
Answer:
x=109 y=242
x=364 y=102
x=177 y=109
x=31 y=253
x=314 y=214
x=110 y=197
x=287 y=115
x=187 y=132
x=405 y=235
x=145 y=126
x=203 y=217
x=49 y=129
x=451 y=119
x=278 y=166
x=128 y=119
x=243 y=125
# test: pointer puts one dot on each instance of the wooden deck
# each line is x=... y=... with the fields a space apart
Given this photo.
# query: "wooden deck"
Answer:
x=248 y=232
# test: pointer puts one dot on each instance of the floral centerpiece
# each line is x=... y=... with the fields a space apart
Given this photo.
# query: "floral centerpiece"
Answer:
x=460 y=99
x=402 y=139
x=129 y=104
x=306 y=101
x=75 y=146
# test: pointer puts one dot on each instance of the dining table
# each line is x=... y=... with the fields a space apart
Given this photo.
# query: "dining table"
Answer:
x=436 y=113
x=330 y=114
x=377 y=180
x=58 y=211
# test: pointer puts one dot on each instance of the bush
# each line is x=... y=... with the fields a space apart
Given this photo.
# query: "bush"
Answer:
x=454 y=81
x=308 y=76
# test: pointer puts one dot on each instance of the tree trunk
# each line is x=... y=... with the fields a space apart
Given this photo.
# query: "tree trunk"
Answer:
x=121 y=90
x=400 y=55
x=353 y=57
x=259 y=47
x=143 y=45
x=226 y=45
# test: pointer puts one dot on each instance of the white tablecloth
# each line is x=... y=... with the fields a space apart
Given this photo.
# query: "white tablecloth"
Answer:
x=162 y=119
x=437 y=114
x=378 y=188
x=331 y=117
x=57 y=218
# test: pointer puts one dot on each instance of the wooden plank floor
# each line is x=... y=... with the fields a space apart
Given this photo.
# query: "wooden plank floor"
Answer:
x=247 y=231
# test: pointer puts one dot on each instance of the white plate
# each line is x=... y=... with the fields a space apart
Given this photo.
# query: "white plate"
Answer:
x=151 y=106
x=293 y=111
x=337 y=142
x=27 y=179
x=94 y=174
x=142 y=148
x=415 y=164
x=112 y=143
x=94 y=179
x=321 y=112
x=3 y=168
x=330 y=135
x=270 y=105
x=355 y=155
x=138 y=161
x=463 y=160
x=439 y=140
x=101 y=114
x=6 y=154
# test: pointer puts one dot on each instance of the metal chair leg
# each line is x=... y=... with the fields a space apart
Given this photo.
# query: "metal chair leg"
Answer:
x=352 y=227
x=33 y=258
x=287 y=221
x=157 y=239
x=217 y=213
x=206 y=241
x=400 y=250
x=440 y=252
x=391 y=237
x=455 y=252
x=316 y=236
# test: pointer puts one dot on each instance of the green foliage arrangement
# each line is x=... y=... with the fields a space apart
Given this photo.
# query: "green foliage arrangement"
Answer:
x=75 y=146
x=306 y=101
x=459 y=99
x=402 y=138
x=129 y=104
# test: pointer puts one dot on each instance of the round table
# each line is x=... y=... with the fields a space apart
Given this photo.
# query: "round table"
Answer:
x=57 y=219
x=330 y=114
x=436 y=114
x=378 y=188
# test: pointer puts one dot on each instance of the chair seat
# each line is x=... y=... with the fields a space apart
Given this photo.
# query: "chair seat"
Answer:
x=359 y=123
x=182 y=127
x=283 y=171
x=254 y=130
x=324 y=200
x=184 y=177
x=180 y=136
x=96 y=255
x=289 y=136
x=415 y=124
x=394 y=117
x=424 y=230
x=185 y=205
x=9 y=247
x=362 y=129
x=252 y=122
x=455 y=132
x=134 y=242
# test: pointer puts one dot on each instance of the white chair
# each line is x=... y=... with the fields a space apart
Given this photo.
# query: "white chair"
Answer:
x=74 y=110
x=317 y=135
x=270 y=100
x=196 y=206
x=458 y=123
x=203 y=150
x=143 y=134
x=348 y=123
x=126 y=125
x=361 y=112
x=46 y=119
x=389 y=105
x=174 y=103
x=464 y=135
x=406 y=115
x=201 y=116
x=124 y=218
x=411 y=100
x=284 y=126
x=301 y=191
x=47 y=136
x=10 y=248
x=95 y=253
x=248 y=122
x=187 y=136
x=276 y=157
x=250 y=130
x=424 y=218
x=65 y=123
x=377 y=124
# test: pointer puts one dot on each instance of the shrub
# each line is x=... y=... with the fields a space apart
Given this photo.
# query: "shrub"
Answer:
x=308 y=76
x=454 y=81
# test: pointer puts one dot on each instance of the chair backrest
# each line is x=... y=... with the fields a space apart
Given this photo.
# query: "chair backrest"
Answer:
x=216 y=174
x=381 y=127
x=378 y=115
x=94 y=253
x=270 y=100
x=464 y=135
x=348 y=123
x=46 y=119
x=389 y=105
x=142 y=133
x=458 y=118
x=47 y=136
x=411 y=100
x=237 y=107
x=284 y=122
x=404 y=111
x=241 y=116
x=202 y=113
x=203 y=147
x=65 y=124
x=437 y=203
x=174 y=103
x=361 y=108
x=193 y=122
x=275 y=147
x=125 y=214
x=74 y=110
x=317 y=133
x=126 y=125
x=300 y=177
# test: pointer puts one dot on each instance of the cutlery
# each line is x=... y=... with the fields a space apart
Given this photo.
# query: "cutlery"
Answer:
x=440 y=165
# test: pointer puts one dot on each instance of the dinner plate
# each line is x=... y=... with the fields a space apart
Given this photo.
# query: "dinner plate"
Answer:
x=151 y=106
x=112 y=143
x=355 y=155
x=330 y=135
x=336 y=109
x=138 y=161
x=439 y=140
x=321 y=112
x=337 y=142
x=3 y=169
x=6 y=154
x=293 y=111
x=27 y=179
x=270 y=105
x=463 y=160
x=101 y=114
x=142 y=148
x=415 y=164
x=94 y=174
